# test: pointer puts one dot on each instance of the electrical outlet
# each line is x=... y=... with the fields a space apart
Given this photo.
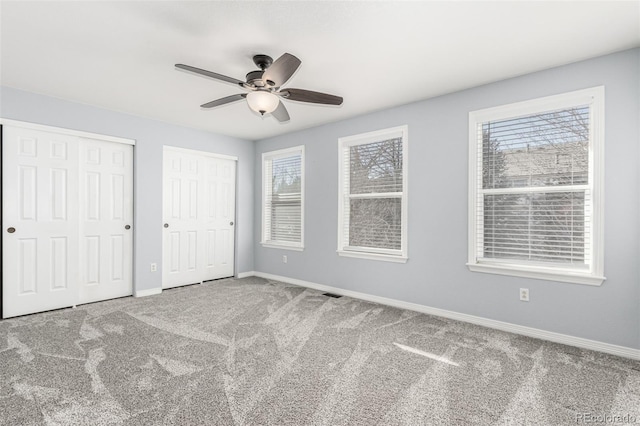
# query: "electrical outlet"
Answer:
x=154 y=267
x=284 y=259
x=524 y=294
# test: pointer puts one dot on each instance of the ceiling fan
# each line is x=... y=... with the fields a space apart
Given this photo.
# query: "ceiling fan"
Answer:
x=265 y=87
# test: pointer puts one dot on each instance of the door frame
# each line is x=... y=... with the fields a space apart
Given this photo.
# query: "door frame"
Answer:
x=65 y=131
x=235 y=197
x=68 y=132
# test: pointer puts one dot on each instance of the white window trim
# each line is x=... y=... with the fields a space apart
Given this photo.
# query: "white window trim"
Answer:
x=594 y=275
x=398 y=256
x=271 y=155
x=282 y=245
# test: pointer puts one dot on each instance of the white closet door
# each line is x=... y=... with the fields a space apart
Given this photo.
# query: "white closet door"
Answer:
x=106 y=219
x=219 y=216
x=199 y=209
x=39 y=214
x=183 y=242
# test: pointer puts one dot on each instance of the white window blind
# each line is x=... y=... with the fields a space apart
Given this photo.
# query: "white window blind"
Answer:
x=534 y=157
x=373 y=195
x=533 y=201
x=283 y=183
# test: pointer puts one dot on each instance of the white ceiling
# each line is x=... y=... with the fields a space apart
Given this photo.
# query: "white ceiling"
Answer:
x=121 y=55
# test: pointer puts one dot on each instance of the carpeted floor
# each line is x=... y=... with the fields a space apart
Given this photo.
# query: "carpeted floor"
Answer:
x=254 y=352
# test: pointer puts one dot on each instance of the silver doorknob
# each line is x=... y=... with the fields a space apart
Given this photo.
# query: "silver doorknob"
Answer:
x=166 y=225
x=11 y=230
x=127 y=227
x=231 y=223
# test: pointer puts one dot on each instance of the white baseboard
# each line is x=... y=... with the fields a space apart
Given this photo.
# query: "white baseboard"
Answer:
x=565 y=339
x=246 y=274
x=148 y=292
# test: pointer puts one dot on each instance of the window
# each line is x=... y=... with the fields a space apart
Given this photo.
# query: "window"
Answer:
x=372 y=221
x=535 y=188
x=283 y=198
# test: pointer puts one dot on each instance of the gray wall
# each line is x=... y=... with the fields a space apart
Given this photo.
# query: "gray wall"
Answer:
x=435 y=274
x=150 y=137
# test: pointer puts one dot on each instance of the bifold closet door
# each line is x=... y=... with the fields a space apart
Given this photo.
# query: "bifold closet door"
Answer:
x=183 y=243
x=106 y=219
x=199 y=215
x=67 y=211
x=220 y=212
x=40 y=221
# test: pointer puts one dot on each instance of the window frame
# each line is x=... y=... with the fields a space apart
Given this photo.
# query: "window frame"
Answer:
x=389 y=255
x=270 y=156
x=594 y=273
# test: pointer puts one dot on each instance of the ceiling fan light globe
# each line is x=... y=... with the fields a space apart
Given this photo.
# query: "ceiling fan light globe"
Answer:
x=262 y=102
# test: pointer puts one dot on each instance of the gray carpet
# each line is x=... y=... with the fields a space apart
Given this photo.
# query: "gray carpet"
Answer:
x=255 y=352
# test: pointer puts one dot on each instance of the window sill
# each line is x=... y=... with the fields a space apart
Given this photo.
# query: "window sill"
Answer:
x=373 y=256
x=282 y=246
x=538 y=273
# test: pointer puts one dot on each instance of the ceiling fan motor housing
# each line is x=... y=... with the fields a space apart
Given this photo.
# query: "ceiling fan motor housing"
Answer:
x=254 y=78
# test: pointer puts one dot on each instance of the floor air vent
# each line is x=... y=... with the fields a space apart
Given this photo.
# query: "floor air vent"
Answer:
x=336 y=296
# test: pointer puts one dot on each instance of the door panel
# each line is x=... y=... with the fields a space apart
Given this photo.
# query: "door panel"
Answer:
x=27 y=278
x=106 y=182
x=118 y=253
x=59 y=262
x=40 y=188
x=221 y=178
x=199 y=205
x=182 y=251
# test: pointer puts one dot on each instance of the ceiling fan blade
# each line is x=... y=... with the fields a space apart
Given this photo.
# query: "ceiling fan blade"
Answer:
x=281 y=70
x=223 y=101
x=281 y=114
x=210 y=74
x=302 y=95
